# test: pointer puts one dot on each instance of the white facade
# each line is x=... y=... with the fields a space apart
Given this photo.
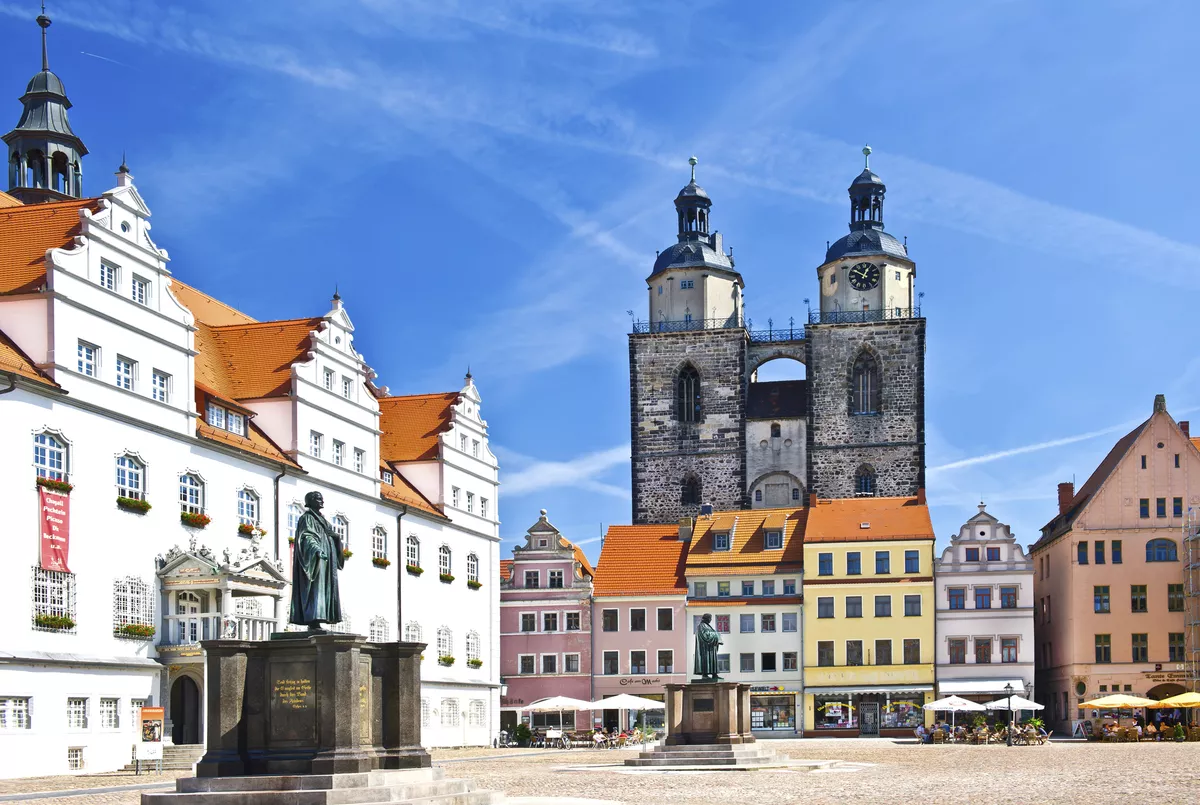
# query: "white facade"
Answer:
x=108 y=330
x=984 y=626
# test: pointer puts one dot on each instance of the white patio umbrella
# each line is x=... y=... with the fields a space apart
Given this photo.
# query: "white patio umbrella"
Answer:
x=627 y=701
x=1018 y=703
x=557 y=704
x=954 y=704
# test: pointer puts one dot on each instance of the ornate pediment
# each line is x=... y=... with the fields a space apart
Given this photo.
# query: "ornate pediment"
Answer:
x=195 y=560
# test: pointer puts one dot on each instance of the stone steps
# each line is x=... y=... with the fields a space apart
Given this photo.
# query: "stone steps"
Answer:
x=178 y=757
x=740 y=756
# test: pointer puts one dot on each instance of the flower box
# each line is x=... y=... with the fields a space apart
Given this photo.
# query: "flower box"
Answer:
x=475 y=663
x=380 y=561
x=347 y=553
x=137 y=631
x=416 y=570
x=446 y=577
x=57 y=486
x=57 y=623
x=194 y=520
x=248 y=530
x=133 y=505
x=474 y=585
x=445 y=660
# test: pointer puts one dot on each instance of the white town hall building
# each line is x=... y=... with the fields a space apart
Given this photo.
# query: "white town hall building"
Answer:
x=158 y=446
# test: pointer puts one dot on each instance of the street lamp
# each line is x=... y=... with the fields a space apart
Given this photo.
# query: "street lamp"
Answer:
x=1008 y=690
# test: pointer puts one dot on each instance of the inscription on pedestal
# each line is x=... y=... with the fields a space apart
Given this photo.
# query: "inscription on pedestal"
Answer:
x=293 y=701
x=702 y=705
x=364 y=701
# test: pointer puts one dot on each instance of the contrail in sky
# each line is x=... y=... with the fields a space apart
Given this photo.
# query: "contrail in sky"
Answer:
x=103 y=58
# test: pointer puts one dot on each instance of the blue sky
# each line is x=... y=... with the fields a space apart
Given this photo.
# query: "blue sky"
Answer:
x=487 y=184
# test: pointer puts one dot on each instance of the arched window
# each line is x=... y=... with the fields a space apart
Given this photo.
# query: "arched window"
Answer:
x=379 y=630
x=293 y=517
x=472 y=567
x=472 y=646
x=691 y=491
x=412 y=632
x=444 y=560
x=864 y=482
x=776 y=430
x=378 y=543
x=413 y=548
x=758 y=496
x=688 y=393
x=247 y=507
x=191 y=494
x=445 y=642
x=49 y=457
x=130 y=478
x=864 y=385
x=341 y=527
x=133 y=606
x=795 y=493
x=1161 y=550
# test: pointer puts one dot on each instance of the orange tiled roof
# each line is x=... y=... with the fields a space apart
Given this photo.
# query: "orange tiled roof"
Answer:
x=8 y=201
x=580 y=556
x=411 y=425
x=205 y=308
x=704 y=603
x=27 y=232
x=13 y=359
x=255 y=441
x=888 y=519
x=641 y=560
x=748 y=542
x=249 y=361
x=401 y=491
x=506 y=566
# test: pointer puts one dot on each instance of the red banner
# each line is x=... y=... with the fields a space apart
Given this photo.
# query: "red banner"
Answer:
x=56 y=528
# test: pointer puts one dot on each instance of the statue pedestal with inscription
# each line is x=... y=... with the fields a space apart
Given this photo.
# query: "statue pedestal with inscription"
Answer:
x=708 y=713
x=312 y=703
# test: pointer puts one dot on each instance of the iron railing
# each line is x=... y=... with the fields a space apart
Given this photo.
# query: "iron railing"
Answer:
x=861 y=316
x=686 y=325
x=775 y=334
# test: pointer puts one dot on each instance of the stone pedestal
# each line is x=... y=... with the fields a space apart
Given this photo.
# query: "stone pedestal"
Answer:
x=305 y=703
x=708 y=713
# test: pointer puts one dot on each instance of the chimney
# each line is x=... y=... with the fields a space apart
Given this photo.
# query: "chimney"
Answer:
x=921 y=496
x=1186 y=427
x=1066 y=494
x=686 y=526
x=812 y=498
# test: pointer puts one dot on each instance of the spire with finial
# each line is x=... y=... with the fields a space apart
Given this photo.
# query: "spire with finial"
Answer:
x=693 y=162
x=124 y=165
x=866 y=197
x=693 y=205
x=866 y=157
x=44 y=21
x=337 y=297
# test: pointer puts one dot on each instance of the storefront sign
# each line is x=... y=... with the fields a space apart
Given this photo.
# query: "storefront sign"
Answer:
x=56 y=527
x=1165 y=676
x=639 y=680
x=150 y=734
x=506 y=701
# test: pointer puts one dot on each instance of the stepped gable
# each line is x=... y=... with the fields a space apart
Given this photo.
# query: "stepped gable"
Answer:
x=28 y=231
x=411 y=425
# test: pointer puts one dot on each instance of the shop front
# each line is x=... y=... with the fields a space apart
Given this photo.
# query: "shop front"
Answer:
x=646 y=687
x=887 y=712
x=773 y=709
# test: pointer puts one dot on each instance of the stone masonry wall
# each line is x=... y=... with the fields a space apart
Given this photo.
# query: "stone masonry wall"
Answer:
x=892 y=441
x=665 y=450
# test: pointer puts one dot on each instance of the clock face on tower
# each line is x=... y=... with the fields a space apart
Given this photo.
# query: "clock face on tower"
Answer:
x=864 y=276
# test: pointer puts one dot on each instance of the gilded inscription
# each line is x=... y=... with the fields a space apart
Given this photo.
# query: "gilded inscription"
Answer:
x=293 y=693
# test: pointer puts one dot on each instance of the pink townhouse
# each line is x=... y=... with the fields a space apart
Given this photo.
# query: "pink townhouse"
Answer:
x=639 y=608
x=545 y=627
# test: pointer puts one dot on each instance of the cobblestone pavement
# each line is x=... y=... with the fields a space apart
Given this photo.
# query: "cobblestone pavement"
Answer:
x=872 y=771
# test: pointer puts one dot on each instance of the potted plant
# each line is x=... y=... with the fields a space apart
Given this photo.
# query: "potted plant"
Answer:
x=522 y=734
x=415 y=570
x=445 y=659
x=446 y=577
x=347 y=553
x=474 y=663
x=380 y=561
x=56 y=623
x=474 y=585
x=194 y=519
x=1036 y=722
x=135 y=505
x=291 y=540
x=138 y=631
x=249 y=530
x=1180 y=733
x=57 y=486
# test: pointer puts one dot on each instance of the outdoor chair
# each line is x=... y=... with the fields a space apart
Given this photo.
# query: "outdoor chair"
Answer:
x=939 y=736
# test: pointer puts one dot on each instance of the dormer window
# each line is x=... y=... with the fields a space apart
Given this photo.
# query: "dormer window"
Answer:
x=386 y=476
x=235 y=423
x=774 y=540
x=541 y=543
x=220 y=417
x=721 y=541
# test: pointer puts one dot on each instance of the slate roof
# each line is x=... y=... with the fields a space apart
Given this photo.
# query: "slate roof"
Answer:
x=27 y=232
x=641 y=560
x=777 y=399
x=870 y=241
x=691 y=254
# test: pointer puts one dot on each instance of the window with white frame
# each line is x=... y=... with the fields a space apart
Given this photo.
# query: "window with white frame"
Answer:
x=360 y=459
x=130 y=478
x=347 y=388
x=247 y=507
x=412 y=632
x=126 y=369
x=191 y=494
x=445 y=642
x=472 y=567
x=477 y=713
x=475 y=448
x=386 y=476
x=449 y=712
x=339 y=452
x=315 y=442
x=473 y=646
x=378 y=543
x=108 y=276
x=412 y=551
x=160 y=386
x=110 y=714
x=135 y=712
x=53 y=600
x=470 y=503
x=329 y=380
x=49 y=457
x=570 y=663
x=379 y=630
x=294 y=510
x=14 y=713
x=462 y=442
x=133 y=604
x=341 y=527
x=215 y=415
x=77 y=713
x=235 y=423
x=139 y=290
x=444 y=560
x=549 y=663
x=526 y=664
x=424 y=712
x=75 y=758
x=88 y=358
x=483 y=507
x=454 y=494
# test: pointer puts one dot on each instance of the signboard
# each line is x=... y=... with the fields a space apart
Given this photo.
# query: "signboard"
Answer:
x=55 y=519
x=150 y=734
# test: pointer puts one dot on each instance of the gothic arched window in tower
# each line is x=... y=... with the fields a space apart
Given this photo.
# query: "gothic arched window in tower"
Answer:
x=688 y=395
x=865 y=385
x=691 y=491
x=864 y=482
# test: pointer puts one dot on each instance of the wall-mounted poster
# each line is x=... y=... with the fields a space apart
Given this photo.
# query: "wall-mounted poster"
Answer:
x=150 y=734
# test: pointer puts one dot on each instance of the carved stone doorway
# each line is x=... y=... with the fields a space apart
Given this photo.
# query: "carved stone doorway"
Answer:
x=185 y=711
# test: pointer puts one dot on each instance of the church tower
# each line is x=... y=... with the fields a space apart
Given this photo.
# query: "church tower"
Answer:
x=43 y=152
x=866 y=360
x=687 y=365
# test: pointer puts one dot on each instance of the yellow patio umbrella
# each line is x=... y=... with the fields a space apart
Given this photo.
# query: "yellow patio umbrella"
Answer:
x=1118 y=701
x=1181 y=700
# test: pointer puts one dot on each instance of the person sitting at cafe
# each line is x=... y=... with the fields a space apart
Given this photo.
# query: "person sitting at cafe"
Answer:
x=922 y=736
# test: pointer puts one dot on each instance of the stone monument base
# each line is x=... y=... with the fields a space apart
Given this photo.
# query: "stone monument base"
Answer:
x=708 y=713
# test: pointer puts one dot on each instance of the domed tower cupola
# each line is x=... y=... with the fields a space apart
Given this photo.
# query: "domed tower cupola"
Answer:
x=43 y=152
x=866 y=197
x=693 y=205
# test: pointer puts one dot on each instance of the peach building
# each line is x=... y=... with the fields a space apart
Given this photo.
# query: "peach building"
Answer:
x=1108 y=576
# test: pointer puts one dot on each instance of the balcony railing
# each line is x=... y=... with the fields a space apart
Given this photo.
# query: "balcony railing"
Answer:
x=187 y=630
x=775 y=334
x=686 y=325
x=861 y=316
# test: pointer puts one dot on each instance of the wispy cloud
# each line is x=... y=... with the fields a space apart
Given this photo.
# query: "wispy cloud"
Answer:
x=582 y=472
x=987 y=458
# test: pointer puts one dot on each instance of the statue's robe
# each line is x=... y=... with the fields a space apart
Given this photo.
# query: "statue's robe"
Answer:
x=316 y=559
x=707 y=640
